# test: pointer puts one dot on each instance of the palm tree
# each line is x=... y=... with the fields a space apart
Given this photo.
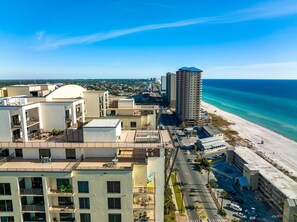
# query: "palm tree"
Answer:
x=208 y=169
x=235 y=220
x=295 y=216
x=223 y=194
x=182 y=191
x=213 y=183
x=175 y=170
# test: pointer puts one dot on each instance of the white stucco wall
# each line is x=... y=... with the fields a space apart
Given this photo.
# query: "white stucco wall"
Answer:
x=156 y=165
x=53 y=116
x=100 y=134
x=5 y=132
x=31 y=153
x=67 y=91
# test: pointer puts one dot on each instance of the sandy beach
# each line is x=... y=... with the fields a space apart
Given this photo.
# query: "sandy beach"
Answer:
x=280 y=149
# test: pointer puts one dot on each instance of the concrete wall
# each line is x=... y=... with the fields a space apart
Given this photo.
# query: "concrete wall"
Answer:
x=67 y=91
x=5 y=132
x=53 y=116
x=100 y=134
x=156 y=166
x=18 y=90
x=126 y=103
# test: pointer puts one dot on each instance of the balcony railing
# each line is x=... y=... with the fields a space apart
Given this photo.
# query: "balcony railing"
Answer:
x=32 y=121
x=16 y=124
x=33 y=208
x=34 y=191
x=63 y=208
x=61 y=192
x=143 y=190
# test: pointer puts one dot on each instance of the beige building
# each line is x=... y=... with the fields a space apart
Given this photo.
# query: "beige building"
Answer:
x=54 y=180
x=22 y=120
x=134 y=116
x=279 y=189
x=188 y=94
x=105 y=174
x=171 y=89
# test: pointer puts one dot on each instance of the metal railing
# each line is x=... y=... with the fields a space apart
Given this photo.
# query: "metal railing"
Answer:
x=34 y=207
x=149 y=190
x=34 y=191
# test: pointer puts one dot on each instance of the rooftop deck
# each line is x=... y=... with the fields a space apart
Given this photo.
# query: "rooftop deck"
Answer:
x=278 y=179
x=127 y=141
x=25 y=165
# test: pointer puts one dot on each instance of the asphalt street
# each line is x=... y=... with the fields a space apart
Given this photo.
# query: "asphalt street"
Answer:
x=198 y=202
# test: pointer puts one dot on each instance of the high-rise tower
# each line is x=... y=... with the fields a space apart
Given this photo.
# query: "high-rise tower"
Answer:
x=188 y=94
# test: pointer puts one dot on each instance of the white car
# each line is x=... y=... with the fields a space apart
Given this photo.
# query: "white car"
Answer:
x=240 y=215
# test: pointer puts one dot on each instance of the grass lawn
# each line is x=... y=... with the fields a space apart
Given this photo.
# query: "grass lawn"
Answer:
x=180 y=203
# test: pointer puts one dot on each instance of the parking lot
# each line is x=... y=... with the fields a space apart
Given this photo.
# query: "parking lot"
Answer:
x=252 y=203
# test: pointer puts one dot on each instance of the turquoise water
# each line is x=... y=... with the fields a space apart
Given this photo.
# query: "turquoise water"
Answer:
x=269 y=103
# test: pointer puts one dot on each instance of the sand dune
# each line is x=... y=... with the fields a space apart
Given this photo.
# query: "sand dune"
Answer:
x=277 y=147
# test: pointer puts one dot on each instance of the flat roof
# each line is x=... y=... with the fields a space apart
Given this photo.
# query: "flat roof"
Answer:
x=211 y=129
x=26 y=165
x=278 y=179
x=210 y=139
x=103 y=123
x=126 y=141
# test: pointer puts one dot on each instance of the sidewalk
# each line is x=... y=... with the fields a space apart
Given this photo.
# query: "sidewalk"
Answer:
x=179 y=218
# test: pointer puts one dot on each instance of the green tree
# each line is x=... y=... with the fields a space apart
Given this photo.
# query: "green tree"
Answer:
x=208 y=169
x=213 y=183
x=175 y=171
x=168 y=203
x=223 y=195
x=295 y=217
x=182 y=191
x=235 y=220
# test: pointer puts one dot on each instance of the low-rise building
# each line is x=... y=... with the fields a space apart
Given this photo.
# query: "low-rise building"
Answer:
x=212 y=131
x=279 y=189
x=210 y=143
x=135 y=117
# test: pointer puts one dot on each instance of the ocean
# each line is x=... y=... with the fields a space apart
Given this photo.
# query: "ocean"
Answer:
x=269 y=103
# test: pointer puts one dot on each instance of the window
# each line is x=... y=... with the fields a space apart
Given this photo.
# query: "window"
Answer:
x=84 y=203
x=113 y=187
x=83 y=186
x=5 y=189
x=133 y=124
x=44 y=153
x=70 y=154
x=85 y=218
x=19 y=152
x=7 y=219
x=6 y=205
x=62 y=182
x=114 y=218
x=114 y=203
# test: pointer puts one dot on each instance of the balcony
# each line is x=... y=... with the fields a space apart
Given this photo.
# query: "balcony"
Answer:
x=16 y=124
x=68 y=118
x=78 y=115
x=33 y=208
x=32 y=121
x=62 y=209
x=31 y=192
x=62 y=191
x=139 y=190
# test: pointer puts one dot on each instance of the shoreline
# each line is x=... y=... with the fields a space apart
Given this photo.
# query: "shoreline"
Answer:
x=278 y=148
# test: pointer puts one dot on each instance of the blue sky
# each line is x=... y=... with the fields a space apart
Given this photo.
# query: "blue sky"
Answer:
x=140 y=39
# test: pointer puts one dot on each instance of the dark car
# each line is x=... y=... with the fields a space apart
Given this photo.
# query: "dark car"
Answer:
x=238 y=200
x=231 y=192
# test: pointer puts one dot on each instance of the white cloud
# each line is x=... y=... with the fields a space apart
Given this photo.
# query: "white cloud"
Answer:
x=263 y=11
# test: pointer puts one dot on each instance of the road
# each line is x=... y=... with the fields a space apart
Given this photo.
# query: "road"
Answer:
x=197 y=195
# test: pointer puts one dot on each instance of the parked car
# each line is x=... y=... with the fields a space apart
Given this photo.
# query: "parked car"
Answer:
x=235 y=207
x=238 y=200
x=240 y=215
